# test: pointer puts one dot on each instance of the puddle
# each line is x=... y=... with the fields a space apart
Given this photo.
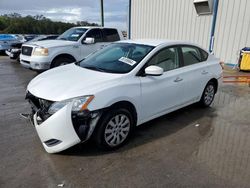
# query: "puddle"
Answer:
x=226 y=151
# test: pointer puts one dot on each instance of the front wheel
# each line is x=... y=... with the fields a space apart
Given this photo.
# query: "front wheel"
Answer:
x=114 y=129
x=60 y=61
x=208 y=95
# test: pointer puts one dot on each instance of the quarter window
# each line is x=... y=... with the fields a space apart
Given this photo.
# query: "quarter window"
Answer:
x=204 y=55
x=191 y=55
x=167 y=59
x=111 y=35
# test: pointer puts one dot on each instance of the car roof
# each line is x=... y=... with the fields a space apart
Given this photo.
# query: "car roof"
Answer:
x=157 y=42
x=94 y=27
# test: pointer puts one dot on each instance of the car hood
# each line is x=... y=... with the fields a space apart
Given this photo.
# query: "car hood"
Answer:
x=51 y=43
x=70 y=81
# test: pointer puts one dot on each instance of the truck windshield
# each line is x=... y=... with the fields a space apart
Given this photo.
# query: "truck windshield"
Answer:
x=73 y=34
x=116 y=58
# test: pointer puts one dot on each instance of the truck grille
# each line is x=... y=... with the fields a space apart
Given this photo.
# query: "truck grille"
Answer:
x=26 y=50
x=41 y=106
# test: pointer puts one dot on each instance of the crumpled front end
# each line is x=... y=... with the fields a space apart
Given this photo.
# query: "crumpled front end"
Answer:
x=63 y=129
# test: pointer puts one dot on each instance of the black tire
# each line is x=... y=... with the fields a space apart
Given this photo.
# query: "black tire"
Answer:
x=18 y=58
x=208 y=95
x=101 y=136
x=60 y=61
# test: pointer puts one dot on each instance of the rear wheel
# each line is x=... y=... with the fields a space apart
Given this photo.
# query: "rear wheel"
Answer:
x=114 y=129
x=60 y=61
x=208 y=95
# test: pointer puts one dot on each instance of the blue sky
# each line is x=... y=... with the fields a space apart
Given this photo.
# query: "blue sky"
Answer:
x=115 y=11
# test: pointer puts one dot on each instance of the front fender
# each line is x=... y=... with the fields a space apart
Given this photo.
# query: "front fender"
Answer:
x=108 y=97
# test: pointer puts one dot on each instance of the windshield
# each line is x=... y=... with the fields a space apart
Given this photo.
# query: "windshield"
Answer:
x=73 y=34
x=116 y=57
x=5 y=37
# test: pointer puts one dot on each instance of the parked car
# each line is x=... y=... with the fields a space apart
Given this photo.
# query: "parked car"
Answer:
x=6 y=40
x=73 y=45
x=15 y=50
x=117 y=88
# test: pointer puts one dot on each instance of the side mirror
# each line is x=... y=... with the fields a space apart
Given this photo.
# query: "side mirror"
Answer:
x=153 y=70
x=89 y=40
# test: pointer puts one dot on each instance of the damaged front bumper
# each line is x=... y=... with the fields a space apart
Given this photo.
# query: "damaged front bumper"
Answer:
x=63 y=129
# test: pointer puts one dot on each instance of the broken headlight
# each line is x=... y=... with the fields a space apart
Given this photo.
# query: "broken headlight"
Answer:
x=78 y=104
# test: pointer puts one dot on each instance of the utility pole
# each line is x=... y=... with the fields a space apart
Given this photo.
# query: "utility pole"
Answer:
x=102 y=14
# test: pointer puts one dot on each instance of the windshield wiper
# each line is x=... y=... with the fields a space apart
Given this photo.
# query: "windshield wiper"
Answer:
x=95 y=68
x=78 y=62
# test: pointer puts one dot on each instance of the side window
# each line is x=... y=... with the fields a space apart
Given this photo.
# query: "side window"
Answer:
x=167 y=59
x=111 y=35
x=191 y=55
x=204 y=55
x=96 y=34
x=43 y=39
x=51 y=37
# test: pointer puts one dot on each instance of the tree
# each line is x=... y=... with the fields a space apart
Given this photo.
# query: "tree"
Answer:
x=85 y=23
x=38 y=24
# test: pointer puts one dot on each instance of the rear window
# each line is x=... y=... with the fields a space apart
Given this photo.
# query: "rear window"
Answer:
x=111 y=35
x=193 y=55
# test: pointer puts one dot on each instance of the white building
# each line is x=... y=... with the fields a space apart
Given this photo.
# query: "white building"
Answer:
x=178 y=19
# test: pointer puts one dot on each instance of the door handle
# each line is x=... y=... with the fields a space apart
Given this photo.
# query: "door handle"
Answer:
x=178 y=79
x=204 y=72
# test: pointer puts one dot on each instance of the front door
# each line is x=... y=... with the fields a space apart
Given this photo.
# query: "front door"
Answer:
x=87 y=49
x=161 y=94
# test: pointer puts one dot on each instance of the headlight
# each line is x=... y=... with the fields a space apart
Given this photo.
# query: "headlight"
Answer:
x=41 y=51
x=79 y=104
x=15 y=50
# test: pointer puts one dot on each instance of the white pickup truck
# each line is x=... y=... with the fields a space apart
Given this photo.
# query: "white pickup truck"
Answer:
x=73 y=45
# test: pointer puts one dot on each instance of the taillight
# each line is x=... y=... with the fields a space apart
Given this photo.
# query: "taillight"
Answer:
x=222 y=64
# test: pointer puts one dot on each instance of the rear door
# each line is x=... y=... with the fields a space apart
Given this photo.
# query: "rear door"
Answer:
x=195 y=72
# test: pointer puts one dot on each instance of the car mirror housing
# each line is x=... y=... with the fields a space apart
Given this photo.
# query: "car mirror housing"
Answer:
x=89 y=40
x=154 y=70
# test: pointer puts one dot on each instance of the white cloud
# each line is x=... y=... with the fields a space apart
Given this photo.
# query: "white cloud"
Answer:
x=115 y=11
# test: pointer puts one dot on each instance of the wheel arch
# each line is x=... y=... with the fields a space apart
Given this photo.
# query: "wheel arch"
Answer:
x=128 y=105
x=63 y=55
x=215 y=81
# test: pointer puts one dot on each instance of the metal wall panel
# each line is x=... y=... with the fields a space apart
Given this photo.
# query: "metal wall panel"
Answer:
x=177 y=19
x=232 y=29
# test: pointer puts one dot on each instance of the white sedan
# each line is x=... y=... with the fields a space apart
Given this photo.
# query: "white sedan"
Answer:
x=117 y=88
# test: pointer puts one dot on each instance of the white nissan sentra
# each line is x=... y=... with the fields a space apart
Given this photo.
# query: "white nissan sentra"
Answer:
x=117 y=88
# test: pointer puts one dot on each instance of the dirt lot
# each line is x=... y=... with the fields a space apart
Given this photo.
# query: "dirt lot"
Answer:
x=192 y=147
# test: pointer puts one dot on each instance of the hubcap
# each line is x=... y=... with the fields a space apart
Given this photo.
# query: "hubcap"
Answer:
x=209 y=94
x=117 y=130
